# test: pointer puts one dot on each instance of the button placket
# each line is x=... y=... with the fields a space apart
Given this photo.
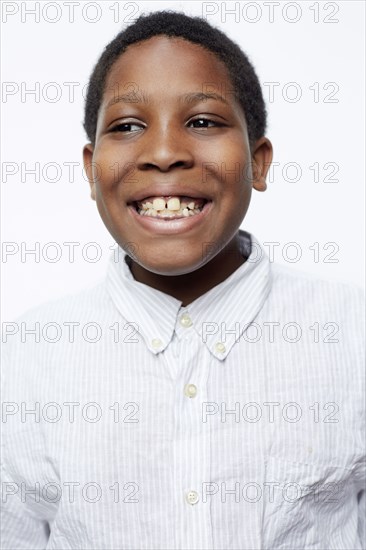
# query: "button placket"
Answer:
x=191 y=447
x=192 y=497
x=190 y=390
x=184 y=325
x=185 y=320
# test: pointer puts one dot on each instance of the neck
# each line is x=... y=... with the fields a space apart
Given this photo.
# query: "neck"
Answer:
x=186 y=288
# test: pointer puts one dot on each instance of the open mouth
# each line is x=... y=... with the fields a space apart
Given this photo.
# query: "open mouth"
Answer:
x=170 y=207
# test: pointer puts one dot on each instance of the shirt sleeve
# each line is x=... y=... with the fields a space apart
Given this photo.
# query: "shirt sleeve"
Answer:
x=362 y=518
x=20 y=527
x=25 y=516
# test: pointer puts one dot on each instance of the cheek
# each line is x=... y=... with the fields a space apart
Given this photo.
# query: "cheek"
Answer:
x=110 y=167
x=234 y=208
x=228 y=161
x=234 y=200
x=235 y=191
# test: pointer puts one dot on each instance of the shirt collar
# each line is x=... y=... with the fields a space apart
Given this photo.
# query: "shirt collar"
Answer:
x=220 y=316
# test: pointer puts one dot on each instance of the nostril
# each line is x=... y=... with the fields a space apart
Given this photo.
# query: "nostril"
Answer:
x=178 y=164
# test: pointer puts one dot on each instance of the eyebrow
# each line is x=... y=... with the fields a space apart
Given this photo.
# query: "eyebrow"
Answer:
x=197 y=97
x=132 y=97
x=193 y=97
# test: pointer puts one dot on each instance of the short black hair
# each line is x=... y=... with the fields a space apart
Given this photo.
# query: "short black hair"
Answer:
x=196 y=30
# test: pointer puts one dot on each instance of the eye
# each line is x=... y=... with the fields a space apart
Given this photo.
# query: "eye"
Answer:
x=204 y=123
x=127 y=127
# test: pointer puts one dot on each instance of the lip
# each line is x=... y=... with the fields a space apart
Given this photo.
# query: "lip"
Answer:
x=171 y=227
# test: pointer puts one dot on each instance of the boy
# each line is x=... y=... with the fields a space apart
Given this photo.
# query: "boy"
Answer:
x=199 y=397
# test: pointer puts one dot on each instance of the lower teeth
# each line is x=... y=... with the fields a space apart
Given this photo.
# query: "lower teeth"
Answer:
x=169 y=214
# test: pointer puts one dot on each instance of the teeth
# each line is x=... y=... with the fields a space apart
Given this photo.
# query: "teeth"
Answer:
x=172 y=207
x=159 y=204
x=173 y=204
x=167 y=214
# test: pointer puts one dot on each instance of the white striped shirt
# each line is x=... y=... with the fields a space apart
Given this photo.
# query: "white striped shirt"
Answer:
x=235 y=422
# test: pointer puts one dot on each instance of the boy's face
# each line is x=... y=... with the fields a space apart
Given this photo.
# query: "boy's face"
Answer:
x=163 y=138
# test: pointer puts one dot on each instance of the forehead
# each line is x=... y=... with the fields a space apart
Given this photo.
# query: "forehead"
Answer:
x=163 y=62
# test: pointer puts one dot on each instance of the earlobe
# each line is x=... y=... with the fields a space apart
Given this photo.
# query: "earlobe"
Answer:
x=259 y=178
x=262 y=158
x=260 y=184
x=88 y=167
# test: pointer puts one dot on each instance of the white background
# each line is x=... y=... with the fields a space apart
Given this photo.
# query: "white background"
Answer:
x=308 y=131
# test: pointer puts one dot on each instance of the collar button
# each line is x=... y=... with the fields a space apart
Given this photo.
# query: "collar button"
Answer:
x=156 y=343
x=219 y=347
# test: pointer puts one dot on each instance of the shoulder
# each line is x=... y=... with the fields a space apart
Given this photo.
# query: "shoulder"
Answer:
x=86 y=303
x=51 y=324
x=305 y=287
x=50 y=335
x=316 y=302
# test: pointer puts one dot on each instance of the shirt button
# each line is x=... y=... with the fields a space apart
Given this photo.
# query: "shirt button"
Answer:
x=219 y=347
x=185 y=320
x=192 y=497
x=190 y=390
x=156 y=343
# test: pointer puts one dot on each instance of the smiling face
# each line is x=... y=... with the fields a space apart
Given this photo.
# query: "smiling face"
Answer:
x=170 y=127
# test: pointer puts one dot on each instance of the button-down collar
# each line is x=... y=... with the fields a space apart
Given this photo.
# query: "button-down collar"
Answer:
x=220 y=316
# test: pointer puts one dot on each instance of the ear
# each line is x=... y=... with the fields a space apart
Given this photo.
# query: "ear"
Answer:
x=88 y=167
x=262 y=154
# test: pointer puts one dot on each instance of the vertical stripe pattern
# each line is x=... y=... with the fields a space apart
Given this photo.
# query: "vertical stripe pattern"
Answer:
x=236 y=422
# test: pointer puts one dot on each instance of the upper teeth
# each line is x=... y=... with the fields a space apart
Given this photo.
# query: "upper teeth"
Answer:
x=173 y=204
x=159 y=203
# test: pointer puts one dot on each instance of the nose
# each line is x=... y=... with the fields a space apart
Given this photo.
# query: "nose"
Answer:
x=164 y=149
